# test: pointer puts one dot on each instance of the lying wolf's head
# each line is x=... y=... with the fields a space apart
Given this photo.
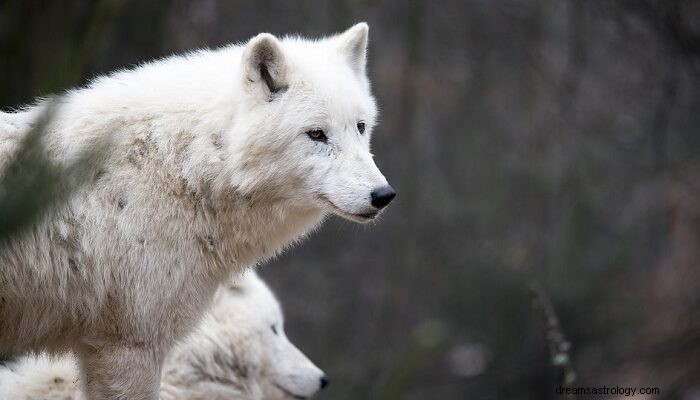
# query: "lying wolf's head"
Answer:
x=308 y=119
x=247 y=324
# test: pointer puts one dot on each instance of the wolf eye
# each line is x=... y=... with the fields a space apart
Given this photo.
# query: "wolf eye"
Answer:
x=361 y=127
x=274 y=329
x=317 y=135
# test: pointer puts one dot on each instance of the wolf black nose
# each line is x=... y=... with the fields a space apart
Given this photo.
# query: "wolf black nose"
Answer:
x=324 y=381
x=382 y=197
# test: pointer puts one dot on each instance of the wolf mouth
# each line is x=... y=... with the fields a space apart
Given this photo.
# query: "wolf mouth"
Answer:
x=367 y=215
x=362 y=217
x=288 y=393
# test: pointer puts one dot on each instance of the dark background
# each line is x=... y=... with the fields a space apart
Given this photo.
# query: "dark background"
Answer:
x=529 y=141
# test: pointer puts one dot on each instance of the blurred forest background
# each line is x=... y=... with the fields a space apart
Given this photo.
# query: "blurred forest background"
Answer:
x=529 y=140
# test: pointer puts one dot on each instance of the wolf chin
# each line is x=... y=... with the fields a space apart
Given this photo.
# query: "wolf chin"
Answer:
x=239 y=352
x=218 y=160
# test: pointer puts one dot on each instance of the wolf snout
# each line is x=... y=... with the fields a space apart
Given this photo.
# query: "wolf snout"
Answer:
x=381 y=197
x=324 y=381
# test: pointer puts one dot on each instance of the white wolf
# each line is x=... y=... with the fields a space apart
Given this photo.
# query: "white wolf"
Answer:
x=219 y=160
x=239 y=352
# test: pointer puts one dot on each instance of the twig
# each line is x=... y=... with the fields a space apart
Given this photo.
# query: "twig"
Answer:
x=556 y=341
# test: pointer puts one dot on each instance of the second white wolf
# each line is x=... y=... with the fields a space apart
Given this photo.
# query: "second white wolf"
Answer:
x=239 y=352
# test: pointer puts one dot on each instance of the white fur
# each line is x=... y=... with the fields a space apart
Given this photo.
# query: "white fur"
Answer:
x=233 y=355
x=208 y=171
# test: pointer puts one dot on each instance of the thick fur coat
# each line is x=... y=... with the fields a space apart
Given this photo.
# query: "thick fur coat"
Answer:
x=217 y=161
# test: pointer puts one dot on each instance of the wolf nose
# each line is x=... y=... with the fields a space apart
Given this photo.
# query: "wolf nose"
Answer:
x=382 y=197
x=324 y=381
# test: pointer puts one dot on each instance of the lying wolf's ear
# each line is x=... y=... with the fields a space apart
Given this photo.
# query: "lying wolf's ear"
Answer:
x=264 y=64
x=353 y=43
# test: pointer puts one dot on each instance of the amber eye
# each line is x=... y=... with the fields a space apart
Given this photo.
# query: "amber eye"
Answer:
x=317 y=135
x=361 y=127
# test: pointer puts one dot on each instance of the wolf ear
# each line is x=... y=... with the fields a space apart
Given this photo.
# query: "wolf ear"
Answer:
x=264 y=64
x=353 y=44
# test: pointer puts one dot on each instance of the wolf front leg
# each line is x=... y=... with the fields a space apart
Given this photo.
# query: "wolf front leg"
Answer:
x=121 y=371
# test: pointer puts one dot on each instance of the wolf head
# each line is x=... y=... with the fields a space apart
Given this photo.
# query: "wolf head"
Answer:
x=247 y=319
x=309 y=116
